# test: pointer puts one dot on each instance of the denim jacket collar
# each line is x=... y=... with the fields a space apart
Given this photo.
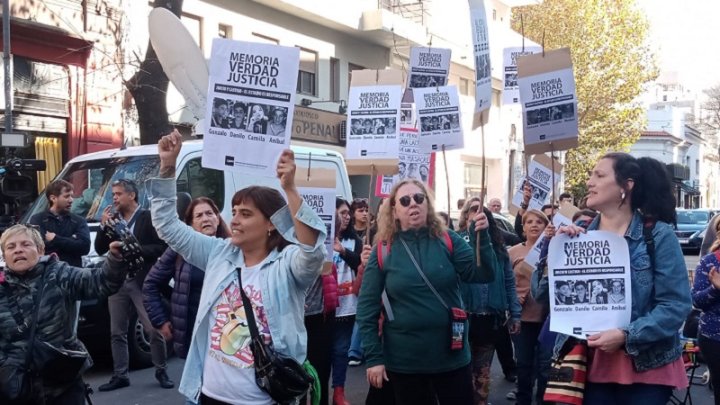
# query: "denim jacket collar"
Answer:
x=634 y=230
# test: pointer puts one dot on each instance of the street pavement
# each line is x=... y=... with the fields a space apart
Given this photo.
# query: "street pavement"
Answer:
x=144 y=389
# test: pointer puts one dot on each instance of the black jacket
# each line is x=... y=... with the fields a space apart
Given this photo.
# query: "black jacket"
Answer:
x=72 y=236
x=150 y=243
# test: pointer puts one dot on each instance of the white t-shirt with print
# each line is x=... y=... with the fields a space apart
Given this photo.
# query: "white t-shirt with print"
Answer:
x=229 y=373
x=347 y=298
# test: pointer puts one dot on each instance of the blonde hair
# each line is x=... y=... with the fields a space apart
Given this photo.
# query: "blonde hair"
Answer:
x=541 y=215
x=26 y=230
x=388 y=226
x=465 y=213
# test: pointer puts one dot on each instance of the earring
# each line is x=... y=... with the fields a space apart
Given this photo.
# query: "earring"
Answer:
x=269 y=232
x=622 y=195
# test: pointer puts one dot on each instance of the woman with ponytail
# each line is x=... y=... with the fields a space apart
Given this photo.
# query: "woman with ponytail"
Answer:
x=640 y=363
x=706 y=297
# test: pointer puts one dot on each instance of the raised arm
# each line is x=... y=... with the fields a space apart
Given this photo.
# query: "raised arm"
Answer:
x=286 y=173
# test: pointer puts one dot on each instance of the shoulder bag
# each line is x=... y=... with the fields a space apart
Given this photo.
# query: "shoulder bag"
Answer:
x=283 y=378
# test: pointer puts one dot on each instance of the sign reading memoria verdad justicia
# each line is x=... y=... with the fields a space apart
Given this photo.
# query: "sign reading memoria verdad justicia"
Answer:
x=439 y=117
x=251 y=99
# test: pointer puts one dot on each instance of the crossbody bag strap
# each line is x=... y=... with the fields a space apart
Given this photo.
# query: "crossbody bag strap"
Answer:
x=247 y=306
x=422 y=274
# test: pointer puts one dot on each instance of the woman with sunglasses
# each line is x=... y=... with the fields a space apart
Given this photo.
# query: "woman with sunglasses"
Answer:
x=275 y=252
x=424 y=349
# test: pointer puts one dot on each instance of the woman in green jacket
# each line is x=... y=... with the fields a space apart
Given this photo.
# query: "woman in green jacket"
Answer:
x=417 y=351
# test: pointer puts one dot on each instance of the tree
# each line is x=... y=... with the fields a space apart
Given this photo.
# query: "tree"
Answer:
x=149 y=86
x=711 y=120
x=612 y=62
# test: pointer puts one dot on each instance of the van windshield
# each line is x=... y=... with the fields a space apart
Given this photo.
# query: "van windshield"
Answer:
x=92 y=180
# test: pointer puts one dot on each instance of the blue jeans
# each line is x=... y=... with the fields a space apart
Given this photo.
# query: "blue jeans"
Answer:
x=356 y=350
x=342 y=334
x=527 y=355
x=646 y=394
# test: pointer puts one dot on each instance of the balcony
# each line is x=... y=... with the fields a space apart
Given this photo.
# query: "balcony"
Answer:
x=415 y=11
x=678 y=172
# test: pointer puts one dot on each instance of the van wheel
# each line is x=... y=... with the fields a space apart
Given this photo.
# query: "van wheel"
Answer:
x=138 y=344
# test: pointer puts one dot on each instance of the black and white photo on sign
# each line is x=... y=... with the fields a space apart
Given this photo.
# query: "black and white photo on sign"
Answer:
x=278 y=121
x=482 y=66
x=440 y=122
x=590 y=291
x=511 y=79
x=373 y=126
x=406 y=114
x=549 y=114
x=421 y=80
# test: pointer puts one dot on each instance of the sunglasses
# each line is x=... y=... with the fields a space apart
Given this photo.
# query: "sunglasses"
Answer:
x=405 y=200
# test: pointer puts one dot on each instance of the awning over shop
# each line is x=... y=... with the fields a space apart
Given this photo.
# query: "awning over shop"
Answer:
x=46 y=43
x=689 y=190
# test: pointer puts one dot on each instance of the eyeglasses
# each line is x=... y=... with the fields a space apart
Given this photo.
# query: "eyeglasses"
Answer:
x=405 y=200
x=474 y=208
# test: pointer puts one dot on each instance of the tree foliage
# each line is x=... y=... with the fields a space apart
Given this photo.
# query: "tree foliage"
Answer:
x=612 y=62
x=711 y=119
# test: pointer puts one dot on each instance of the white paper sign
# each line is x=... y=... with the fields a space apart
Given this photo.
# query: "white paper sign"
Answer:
x=429 y=67
x=533 y=256
x=251 y=99
x=540 y=180
x=549 y=107
x=590 y=289
x=439 y=116
x=481 y=51
x=511 y=92
x=322 y=201
x=414 y=164
x=373 y=118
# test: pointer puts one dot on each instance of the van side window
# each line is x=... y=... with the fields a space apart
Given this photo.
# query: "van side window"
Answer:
x=200 y=181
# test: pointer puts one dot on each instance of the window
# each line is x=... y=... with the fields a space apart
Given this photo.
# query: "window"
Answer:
x=264 y=39
x=202 y=182
x=494 y=15
x=194 y=26
x=224 y=31
x=464 y=86
x=351 y=67
x=473 y=179
x=306 y=74
x=334 y=79
x=697 y=166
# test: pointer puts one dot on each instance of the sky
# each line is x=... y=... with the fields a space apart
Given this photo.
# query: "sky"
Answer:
x=685 y=34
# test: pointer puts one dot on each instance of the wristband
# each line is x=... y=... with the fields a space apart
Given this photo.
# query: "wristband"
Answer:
x=523 y=206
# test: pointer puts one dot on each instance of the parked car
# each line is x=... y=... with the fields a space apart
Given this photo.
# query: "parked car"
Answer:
x=92 y=175
x=691 y=227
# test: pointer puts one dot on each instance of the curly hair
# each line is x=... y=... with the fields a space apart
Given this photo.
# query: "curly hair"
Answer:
x=388 y=226
x=463 y=222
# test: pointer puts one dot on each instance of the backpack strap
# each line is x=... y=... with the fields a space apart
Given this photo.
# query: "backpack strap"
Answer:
x=648 y=226
x=448 y=242
x=383 y=250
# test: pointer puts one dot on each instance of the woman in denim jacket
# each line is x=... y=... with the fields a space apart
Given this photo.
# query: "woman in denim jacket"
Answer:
x=640 y=363
x=279 y=250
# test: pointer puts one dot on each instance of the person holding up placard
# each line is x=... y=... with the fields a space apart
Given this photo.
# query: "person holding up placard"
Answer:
x=417 y=263
x=640 y=363
x=274 y=254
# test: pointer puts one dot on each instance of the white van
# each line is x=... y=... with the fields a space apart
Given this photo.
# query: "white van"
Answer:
x=93 y=174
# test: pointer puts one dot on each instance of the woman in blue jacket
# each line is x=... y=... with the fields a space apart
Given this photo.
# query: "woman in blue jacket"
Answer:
x=706 y=297
x=274 y=254
x=204 y=217
x=641 y=362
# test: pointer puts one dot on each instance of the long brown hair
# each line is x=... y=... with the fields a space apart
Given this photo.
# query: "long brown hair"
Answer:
x=465 y=213
x=268 y=201
x=716 y=244
x=222 y=230
x=388 y=226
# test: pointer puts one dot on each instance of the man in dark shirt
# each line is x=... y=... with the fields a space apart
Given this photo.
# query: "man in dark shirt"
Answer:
x=65 y=234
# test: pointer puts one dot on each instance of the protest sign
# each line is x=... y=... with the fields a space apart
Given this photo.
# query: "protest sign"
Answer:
x=318 y=191
x=373 y=121
x=438 y=111
x=511 y=92
x=549 y=103
x=413 y=164
x=589 y=280
x=429 y=67
x=540 y=179
x=251 y=99
x=481 y=52
x=374 y=116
